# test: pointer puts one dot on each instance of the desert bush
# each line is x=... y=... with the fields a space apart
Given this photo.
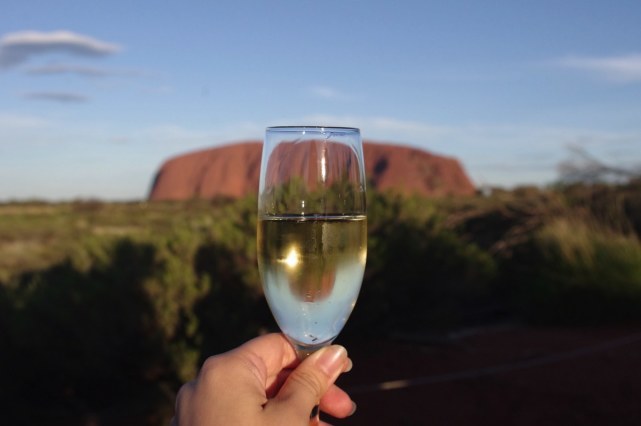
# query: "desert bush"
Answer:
x=121 y=302
x=616 y=207
x=119 y=318
x=577 y=272
x=420 y=275
x=81 y=338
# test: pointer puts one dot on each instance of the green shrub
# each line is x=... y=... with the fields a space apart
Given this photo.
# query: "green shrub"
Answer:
x=579 y=273
x=87 y=332
x=419 y=274
x=118 y=304
x=617 y=208
x=117 y=320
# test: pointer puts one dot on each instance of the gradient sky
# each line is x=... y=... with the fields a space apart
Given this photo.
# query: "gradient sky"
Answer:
x=94 y=96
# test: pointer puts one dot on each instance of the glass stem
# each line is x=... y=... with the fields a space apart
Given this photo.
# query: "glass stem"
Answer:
x=314 y=417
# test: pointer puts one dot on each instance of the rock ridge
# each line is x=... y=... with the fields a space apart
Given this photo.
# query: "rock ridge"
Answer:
x=233 y=171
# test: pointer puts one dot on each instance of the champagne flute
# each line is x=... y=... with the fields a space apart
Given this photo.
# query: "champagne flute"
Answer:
x=312 y=230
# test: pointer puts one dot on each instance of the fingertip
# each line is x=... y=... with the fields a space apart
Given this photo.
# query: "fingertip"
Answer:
x=347 y=367
x=353 y=409
x=337 y=403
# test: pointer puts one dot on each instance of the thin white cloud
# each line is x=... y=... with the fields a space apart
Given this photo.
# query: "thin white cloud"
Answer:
x=16 y=48
x=81 y=70
x=178 y=137
x=162 y=89
x=327 y=93
x=10 y=120
x=63 y=97
x=625 y=68
x=387 y=128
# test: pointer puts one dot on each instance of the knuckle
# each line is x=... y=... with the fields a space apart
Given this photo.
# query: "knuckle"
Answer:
x=215 y=365
x=309 y=381
x=211 y=364
x=185 y=391
x=220 y=369
x=211 y=371
x=183 y=398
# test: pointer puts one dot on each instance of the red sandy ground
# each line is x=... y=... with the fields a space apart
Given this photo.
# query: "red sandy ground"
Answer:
x=510 y=376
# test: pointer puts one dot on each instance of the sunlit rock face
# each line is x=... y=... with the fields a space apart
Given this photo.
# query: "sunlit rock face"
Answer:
x=233 y=171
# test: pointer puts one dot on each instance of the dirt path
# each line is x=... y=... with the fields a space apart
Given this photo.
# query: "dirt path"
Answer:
x=504 y=376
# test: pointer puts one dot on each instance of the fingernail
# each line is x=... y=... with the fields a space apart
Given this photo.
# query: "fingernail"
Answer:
x=353 y=409
x=331 y=359
x=348 y=366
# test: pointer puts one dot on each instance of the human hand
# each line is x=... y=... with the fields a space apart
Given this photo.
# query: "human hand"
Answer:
x=263 y=383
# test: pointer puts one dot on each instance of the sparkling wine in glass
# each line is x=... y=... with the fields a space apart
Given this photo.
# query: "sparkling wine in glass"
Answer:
x=312 y=230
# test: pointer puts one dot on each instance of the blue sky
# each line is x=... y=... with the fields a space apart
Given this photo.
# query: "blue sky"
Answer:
x=94 y=96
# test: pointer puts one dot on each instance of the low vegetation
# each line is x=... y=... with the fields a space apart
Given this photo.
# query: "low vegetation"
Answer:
x=105 y=308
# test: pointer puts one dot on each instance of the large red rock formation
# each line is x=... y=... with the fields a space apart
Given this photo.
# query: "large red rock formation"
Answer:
x=414 y=171
x=233 y=171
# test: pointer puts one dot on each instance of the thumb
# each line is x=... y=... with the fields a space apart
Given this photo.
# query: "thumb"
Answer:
x=306 y=385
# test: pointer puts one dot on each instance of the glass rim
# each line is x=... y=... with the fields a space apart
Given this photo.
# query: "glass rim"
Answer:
x=320 y=129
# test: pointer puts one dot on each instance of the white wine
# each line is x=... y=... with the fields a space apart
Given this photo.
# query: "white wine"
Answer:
x=312 y=268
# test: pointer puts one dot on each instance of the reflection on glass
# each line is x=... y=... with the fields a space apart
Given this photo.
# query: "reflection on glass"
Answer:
x=312 y=230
